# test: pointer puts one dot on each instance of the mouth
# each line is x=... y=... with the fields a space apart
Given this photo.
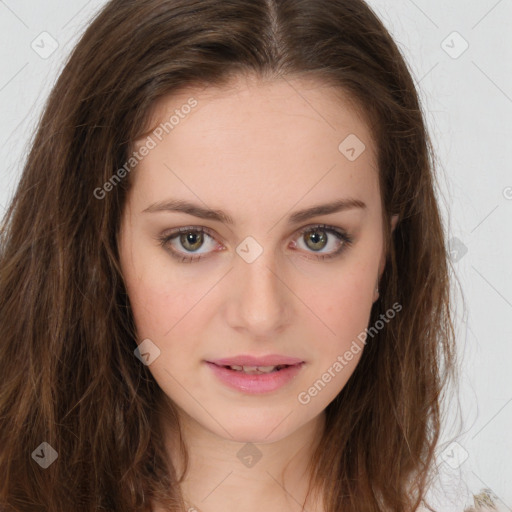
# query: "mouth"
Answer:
x=255 y=379
x=256 y=370
x=252 y=361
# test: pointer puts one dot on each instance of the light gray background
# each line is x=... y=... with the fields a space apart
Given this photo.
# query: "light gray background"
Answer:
x=467 y=98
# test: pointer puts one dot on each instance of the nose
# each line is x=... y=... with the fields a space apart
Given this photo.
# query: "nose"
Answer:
x=261 y=301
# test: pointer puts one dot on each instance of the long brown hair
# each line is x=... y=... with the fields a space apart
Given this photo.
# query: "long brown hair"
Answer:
x=69 y=375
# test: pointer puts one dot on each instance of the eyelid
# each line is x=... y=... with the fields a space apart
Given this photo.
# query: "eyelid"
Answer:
x=340 y=233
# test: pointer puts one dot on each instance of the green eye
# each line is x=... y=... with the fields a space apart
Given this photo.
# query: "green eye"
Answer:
x=191 y=239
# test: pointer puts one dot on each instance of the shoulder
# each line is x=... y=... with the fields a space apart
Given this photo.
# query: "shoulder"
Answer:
x=484 y=501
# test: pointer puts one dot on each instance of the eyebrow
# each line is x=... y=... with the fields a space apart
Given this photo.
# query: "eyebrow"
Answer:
x=175 y=205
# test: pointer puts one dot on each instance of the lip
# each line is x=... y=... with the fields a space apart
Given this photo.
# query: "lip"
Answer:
x=248 y=360
x=256 y=383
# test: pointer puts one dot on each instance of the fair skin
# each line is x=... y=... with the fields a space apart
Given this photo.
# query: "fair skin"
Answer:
x=287 y=301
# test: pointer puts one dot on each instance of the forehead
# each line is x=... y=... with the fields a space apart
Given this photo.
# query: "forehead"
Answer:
x=288 y=139
x=246 y=98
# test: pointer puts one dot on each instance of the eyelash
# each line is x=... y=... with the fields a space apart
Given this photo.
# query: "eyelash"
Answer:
x=341 y=235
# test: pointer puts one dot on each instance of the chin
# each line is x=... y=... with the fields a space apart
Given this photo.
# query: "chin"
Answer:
x=257 y=429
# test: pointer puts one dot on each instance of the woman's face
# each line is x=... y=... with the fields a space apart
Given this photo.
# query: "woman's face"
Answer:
x=254 y=285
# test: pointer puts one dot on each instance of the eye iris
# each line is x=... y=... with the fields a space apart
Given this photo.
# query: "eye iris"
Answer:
x=314 y=235
x=316 y=239
x=196 y=239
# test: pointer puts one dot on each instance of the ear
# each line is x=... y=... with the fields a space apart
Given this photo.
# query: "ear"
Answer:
x=382 y=264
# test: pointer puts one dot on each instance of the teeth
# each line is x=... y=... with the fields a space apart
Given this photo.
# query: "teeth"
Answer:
x=262 y=369
x=254 y=369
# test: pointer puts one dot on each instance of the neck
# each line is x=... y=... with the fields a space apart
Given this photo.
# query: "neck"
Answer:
x=229 y=475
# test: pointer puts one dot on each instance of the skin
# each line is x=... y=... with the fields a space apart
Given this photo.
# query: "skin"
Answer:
x=287 y=301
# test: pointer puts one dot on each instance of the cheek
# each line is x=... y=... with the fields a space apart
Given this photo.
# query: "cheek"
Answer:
x=159 y=296
x=345 y=310
x=157 y=303
x=348 y=297
x=158 y=306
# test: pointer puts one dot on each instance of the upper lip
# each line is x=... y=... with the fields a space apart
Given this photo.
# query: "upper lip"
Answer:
x=248 y=360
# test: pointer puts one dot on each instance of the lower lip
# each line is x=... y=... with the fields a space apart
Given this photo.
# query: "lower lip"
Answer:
x=255 y=383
